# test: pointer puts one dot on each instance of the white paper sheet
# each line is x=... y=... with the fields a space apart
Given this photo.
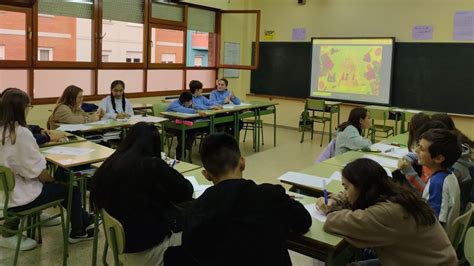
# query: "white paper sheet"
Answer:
x=100 y=122
x=68 y=150
x=228 y=106
x=148 y=119
x=303 y=179
x=245 y=104
x=390 y=150
x=198 y=189
x=383 y=161
x=315 y=213
x=73 y=127
x=337 y=176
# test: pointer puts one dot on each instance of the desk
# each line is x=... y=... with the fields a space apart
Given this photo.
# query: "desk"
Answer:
x=401 y=139
x=345 y=158
x=67 y=162
x=318 y=244
x=143 y=107
x=76 y=139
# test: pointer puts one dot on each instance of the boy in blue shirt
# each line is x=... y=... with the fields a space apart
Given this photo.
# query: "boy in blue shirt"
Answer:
x=200 y=102
x=222 y=95
x=184 y=105
x=438 y=150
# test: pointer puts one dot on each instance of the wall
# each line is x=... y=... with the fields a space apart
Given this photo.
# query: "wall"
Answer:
x=361 y=18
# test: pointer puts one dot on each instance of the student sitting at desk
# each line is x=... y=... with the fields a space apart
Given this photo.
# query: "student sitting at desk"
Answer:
x=199 y=101
x=374 y=212
x=139 y=189
x=184 y=105
x=41 y=135
x=222 y=95
x=68 y=109
x=34 y=186
x=237 y=222
x=349 y=136
x=116 y=106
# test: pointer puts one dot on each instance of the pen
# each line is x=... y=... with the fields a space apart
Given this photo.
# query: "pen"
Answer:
x=173 y=163
x=325 y=192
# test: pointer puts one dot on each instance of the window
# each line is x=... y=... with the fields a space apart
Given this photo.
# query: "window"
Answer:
x=165 y=80
x=167 y=42
x=207 y=77
x=169 y=13
x=133 y=57
x=50 y=83
x=133 y=80
x=201 y=38
x=2 y=52
x=13 y=36
x=123 y=30
x=72 y=40
x=45 y=54
x=14 y=78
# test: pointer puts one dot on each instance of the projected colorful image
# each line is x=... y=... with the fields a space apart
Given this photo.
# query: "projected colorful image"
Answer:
x=350 y=69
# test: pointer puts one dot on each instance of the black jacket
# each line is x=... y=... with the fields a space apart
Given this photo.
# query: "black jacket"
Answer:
x=238 y=222
x=145 y=204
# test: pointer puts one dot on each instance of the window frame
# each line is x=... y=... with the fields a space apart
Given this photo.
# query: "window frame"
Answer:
x=28 y=38
x=152 y=26
x=257 y=40
x=153 y=20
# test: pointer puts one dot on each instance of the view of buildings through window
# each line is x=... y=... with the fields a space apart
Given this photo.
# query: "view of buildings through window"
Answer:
x=62 y=38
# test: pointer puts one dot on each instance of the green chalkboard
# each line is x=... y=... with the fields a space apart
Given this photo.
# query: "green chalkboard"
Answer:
x=428 y=76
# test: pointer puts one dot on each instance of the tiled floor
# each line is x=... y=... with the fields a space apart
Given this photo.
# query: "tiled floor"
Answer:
x=265 y=166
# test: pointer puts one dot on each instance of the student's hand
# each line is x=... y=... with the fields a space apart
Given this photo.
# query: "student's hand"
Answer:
x=100 y=113
x=45 y=177
x=323 y=207
x=122 y=115
x=227 y=99
x=403 y=164
x=55 y=136
x=201 y=113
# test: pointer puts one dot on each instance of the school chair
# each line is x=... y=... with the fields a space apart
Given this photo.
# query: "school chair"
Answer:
x=469 y=245
x=167 y=137
x=459 y=226
x=29 y=219
x=249 y=122
x=318 y=115
x=380 y=115
x=114 y=236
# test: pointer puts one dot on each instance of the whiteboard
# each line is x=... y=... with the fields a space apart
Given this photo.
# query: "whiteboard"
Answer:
x=231 y=57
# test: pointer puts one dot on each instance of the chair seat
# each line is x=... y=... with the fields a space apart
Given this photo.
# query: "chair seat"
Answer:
x=320 y=119
x=36 y=209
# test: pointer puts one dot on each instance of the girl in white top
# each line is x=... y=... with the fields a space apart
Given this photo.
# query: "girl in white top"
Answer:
x=34 y=186
x=350 y=132
x=116 y=106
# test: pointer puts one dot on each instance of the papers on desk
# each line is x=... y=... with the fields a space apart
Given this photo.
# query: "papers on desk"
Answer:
x=315 y=213
x=60 y=150
x=148 y=119
x=245 y=104
x=228 y=106
x=186 y=114
x=389 y=150
x=73 y=127
x=383 y=161
x=198 y=189
x=303 y=179
x=336 y=176
x=100 y=122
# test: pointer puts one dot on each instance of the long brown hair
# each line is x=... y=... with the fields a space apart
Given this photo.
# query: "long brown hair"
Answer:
x=416 y=123
x=355 y=116
x=374 y=186
x=68 y=97
x=12 y=111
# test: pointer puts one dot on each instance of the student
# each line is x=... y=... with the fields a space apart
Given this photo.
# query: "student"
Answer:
x=68 y=109
x=416 y=123
x=41 y=135
x=237 y=222
x=222 y=95
x=116 y=106
x=373 y=212
x=184 y=105
x=33 y=184
x=349 y=135
x=439 y=149
x=140 y=190
x=199 y=101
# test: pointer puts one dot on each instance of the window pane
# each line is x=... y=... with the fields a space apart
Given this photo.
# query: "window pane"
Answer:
x=207 y=77
x=201 y=49
x=167 y=11
x=52 y=82
x=12 y=35
x=201 y=20
x=15 y=78
x=66 y=27
x=133 y=80
x=164 y=80
x=167 y=46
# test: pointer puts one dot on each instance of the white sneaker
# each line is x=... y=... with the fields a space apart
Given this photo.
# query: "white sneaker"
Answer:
x=10 y=242
x=44 y=216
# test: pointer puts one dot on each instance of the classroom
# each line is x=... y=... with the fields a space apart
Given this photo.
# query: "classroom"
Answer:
x=158 y=47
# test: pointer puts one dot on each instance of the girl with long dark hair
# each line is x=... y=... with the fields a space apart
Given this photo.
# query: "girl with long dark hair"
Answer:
x=115 y=105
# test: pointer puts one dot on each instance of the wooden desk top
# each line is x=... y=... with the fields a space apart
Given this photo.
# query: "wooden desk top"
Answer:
x=99 y=153
x=76 y=139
